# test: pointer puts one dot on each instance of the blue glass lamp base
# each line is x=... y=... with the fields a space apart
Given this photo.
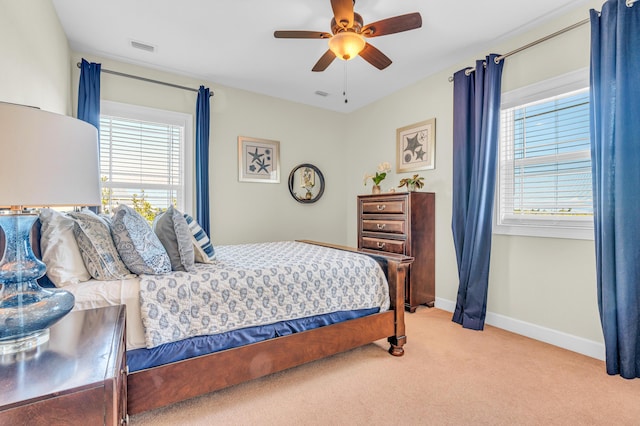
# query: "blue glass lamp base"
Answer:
x=24 y=343
x=26 y=309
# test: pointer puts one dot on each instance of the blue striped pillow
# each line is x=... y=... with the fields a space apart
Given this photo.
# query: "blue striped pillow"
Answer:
x=203 y=250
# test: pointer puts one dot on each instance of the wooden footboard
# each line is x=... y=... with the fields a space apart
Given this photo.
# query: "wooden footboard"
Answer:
x=395 y=267
x=167 y=384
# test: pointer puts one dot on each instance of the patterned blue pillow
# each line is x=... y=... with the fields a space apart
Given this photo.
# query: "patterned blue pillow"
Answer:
x=203 y=250
x=96 y=246
x=138 y=246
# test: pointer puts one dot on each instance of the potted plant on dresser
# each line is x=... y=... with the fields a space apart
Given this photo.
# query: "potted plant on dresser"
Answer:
x=412 y=183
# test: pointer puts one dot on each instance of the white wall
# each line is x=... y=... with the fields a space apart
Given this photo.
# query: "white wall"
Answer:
x=34 y=56
x=249 y=212
x=544 y=282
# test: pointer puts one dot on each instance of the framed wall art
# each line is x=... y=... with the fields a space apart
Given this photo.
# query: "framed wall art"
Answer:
x=416 y=146
x=258 y=160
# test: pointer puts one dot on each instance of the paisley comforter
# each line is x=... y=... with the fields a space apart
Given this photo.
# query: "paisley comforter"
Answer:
x=256 y=284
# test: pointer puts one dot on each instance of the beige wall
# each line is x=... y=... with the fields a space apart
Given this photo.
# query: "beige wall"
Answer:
x=549 y=283
x=34 y=56
x=546 y=282
x=249 y=212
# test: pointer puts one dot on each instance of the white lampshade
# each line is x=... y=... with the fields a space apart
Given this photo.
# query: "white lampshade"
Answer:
x=47 y=159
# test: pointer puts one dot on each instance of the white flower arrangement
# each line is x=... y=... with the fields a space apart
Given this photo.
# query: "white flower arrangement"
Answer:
x=383 y=169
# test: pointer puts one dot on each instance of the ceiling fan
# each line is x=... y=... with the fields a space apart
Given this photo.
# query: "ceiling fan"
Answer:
x=349 y=32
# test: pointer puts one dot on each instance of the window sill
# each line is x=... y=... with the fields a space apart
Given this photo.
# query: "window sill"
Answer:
x=573 y=233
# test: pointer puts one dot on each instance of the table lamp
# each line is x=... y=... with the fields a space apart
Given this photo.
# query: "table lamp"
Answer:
x=46 y=160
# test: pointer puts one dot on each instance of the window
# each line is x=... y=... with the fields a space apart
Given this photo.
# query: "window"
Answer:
x=145 y=158
x=544 y=174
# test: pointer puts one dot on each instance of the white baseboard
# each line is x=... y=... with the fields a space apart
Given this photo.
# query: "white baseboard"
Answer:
x=554 y=337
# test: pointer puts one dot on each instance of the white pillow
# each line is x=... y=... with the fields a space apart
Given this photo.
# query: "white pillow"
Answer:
x=60 y=251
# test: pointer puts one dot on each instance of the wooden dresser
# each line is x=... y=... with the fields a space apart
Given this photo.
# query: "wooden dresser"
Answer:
x=403 y=223
x=77 y=378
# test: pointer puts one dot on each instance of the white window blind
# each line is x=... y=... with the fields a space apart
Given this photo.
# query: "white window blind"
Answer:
x=544 y=182
x=142 y=157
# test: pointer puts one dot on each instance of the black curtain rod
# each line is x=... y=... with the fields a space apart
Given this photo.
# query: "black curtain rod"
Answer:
x=148 y=80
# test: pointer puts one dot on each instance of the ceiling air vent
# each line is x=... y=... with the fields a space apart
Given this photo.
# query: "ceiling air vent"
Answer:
x=321 y=93
x=143 y=46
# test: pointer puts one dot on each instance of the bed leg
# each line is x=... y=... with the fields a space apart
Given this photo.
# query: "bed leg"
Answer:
x=396 y=348
x=397 y=273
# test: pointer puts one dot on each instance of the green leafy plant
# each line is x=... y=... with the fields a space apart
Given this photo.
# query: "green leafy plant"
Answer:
x=144 y=207
x=106 y=195
x=138 y=202
x=412 y=182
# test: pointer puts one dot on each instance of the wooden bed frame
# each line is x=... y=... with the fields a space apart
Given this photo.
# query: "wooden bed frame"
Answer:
x=170 y=383
x=166 y=384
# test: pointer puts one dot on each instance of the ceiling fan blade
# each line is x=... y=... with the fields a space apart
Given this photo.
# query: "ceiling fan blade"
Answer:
x=375 y=57
x=324 y=61
x=343 y=12
x=301 y=34
x=397 y=24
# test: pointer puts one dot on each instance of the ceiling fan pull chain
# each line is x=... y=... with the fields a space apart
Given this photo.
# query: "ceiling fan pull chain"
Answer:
x=344 y=92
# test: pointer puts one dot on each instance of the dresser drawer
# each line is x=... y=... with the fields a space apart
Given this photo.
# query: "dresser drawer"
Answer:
x=390 y=246
x=390 y=226
x=384 y=206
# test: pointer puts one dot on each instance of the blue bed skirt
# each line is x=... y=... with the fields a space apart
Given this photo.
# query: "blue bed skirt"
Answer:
x=140 y=359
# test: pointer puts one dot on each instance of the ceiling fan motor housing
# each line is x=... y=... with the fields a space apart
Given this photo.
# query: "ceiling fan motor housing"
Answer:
x=358 y=22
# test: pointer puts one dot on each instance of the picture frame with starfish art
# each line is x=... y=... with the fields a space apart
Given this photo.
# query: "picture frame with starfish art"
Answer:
x=416 y=146
x=258 y=160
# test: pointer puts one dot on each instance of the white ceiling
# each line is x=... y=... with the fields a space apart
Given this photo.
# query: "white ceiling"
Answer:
x=231 y=42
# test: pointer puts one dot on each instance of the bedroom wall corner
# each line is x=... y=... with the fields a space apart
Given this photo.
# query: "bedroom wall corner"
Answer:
x=372 y=139
x=35 y=54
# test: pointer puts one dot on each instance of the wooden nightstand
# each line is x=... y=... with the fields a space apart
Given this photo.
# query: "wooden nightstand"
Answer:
x=77 y=378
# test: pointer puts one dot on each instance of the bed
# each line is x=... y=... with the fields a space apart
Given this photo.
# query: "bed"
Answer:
x=163 y=385
x=165 y=382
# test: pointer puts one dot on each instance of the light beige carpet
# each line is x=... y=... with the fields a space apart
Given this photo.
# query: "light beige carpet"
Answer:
x=448 y=376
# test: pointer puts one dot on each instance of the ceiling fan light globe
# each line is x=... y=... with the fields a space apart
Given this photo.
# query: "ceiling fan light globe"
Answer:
x=347 y=45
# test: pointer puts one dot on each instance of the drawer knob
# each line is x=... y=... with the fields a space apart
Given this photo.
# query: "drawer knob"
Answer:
x=381 y=225
x=381 y=245
x=381 y=207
